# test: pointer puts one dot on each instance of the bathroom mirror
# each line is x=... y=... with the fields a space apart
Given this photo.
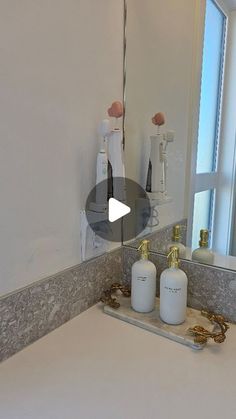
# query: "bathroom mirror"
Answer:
x=181 y=61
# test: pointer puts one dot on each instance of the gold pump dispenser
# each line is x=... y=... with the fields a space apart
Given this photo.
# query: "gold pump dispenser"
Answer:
x=173 y=257
x=204 y=236
x=176 y=236
x=144 y=248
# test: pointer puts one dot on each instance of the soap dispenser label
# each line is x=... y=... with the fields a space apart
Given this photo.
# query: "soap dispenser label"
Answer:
x=172 y=290
x=142 y=278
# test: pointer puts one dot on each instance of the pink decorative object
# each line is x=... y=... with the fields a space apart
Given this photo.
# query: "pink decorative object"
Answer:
x=158 y=119
x=116 y=110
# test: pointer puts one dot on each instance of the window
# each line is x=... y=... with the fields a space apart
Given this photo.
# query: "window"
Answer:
x=204 y=188
x=211 y=88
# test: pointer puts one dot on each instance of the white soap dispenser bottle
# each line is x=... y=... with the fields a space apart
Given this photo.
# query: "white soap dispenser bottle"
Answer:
x=173 y=291
x=203 y=254
x=176 y=241
x=143 y=283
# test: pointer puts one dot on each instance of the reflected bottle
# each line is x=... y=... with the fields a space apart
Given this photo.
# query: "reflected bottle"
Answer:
x=203 y=254
x=176 y=241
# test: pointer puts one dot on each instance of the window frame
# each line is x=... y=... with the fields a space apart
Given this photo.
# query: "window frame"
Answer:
x=200 y=182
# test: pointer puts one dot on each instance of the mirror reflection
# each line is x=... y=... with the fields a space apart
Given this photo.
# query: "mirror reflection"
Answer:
x=180 y=123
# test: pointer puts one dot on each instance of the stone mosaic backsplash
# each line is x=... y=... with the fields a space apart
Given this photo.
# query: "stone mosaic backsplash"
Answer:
x=31 y=312
x=209 y=288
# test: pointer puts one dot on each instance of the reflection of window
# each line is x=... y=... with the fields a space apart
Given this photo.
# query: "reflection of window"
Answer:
x=211 y=88
x=202 y=216
x=205 y=190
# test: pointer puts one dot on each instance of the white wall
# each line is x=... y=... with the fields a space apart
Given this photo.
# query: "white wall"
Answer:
x=61 y=66
x=160 y=41
x=230 y=4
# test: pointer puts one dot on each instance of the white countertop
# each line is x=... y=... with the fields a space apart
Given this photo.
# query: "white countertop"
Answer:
x=96 y=367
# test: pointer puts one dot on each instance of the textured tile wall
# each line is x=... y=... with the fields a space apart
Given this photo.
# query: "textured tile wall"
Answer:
x=30 y=313
x=209 y=287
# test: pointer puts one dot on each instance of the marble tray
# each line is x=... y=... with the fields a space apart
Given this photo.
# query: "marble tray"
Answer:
x=153 y=323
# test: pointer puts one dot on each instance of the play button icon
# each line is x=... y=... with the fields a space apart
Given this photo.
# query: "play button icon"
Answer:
x=116 y=210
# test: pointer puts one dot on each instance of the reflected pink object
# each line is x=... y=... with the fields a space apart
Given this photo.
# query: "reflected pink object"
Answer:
x=158 y=119
x=116 y=110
